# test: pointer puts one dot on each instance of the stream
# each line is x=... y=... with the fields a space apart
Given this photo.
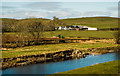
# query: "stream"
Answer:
x=54 y=67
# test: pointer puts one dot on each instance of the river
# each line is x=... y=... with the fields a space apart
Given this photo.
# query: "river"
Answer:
x=54 y=67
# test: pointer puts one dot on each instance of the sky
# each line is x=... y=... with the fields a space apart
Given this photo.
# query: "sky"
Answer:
x=29 y=9
x=60 y=0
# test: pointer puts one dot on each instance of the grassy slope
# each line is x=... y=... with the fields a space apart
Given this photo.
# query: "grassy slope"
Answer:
x=102 y=68
x=31 y=50
x=100 y=22
x=81 y=34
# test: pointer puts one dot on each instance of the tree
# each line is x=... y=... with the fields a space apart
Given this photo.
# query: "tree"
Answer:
x=31 y=28
x=58 y=22
x=51 y=26
x=8 y=25
x=36 y=29
x=55 y=19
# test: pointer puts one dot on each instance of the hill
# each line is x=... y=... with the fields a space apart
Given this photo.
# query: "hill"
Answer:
x=100 y=22
x=11 y=25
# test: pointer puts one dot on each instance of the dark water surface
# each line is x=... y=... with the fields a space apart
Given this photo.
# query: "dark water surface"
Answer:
x=53 y=67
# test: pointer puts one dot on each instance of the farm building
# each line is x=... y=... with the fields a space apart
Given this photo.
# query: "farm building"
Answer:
x=92 y=29
x=84 y=28
x=60 y=28
x=76 y=28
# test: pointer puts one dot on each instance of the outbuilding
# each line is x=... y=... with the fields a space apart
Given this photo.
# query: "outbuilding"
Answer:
x=60 y=28
x=92 y=29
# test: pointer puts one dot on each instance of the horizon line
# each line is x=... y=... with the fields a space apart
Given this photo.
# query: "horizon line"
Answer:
x=59 y=18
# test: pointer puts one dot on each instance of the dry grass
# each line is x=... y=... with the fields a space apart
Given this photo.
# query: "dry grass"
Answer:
x=41 y=49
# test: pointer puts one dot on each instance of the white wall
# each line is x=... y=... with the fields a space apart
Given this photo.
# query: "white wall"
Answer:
x=92 y=29
x=60 y=28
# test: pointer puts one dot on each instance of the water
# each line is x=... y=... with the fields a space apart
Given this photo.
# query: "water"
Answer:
x=53 y=67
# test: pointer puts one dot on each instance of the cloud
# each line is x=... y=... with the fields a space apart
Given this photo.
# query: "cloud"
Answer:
x=97 y=13
x=63 y=14
x=44 y=5
x=113 y=8
x=26 y=13
x=7 y=7
x=60 y=0
x=50 y=9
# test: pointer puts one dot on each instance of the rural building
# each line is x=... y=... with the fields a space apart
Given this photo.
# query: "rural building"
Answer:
x=59 y=28
x=74 y=27
x=65 y=28
x=92 y=29
x=84 y=28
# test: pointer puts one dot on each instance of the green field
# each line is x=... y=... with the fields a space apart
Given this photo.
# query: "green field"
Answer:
x=76 y=34
x=100 y=22
x=41 y=49
x=102 y=68
x=82 y=34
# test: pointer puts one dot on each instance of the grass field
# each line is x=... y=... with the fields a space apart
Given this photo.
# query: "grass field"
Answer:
x=75 y=34
x=41 y=49
x=82 y=34
x=100 y=22
x=102 y=68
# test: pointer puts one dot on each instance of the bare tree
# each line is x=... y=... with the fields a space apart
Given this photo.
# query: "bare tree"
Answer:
x=55 y=19
x=58 y=21
x=31 y=28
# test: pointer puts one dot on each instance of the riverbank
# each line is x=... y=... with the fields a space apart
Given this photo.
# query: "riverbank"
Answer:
x=53 y=57
x=51 y=48
x=101 y=68
x=40 y=54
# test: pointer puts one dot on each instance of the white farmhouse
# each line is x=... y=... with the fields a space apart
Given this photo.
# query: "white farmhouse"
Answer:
x=92 y=29
x=65 y=28
x=60 y=28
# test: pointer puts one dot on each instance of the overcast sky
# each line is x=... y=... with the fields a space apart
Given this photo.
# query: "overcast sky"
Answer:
x=59 y=9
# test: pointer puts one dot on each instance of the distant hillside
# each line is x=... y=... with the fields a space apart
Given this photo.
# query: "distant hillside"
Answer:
x=13 y=22
x=100 y=22
x=11 y=25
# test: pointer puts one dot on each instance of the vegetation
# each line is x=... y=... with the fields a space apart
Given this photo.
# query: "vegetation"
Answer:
x=13 y=25
x=58 y=22
x=26 y=32
x=117 y=37
x=9 y=25
x=35 y=28
x=100 y=22
x=102 y=68
x=81 y=34
x=76 y=34
x=40 y=49
x=13 y=40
